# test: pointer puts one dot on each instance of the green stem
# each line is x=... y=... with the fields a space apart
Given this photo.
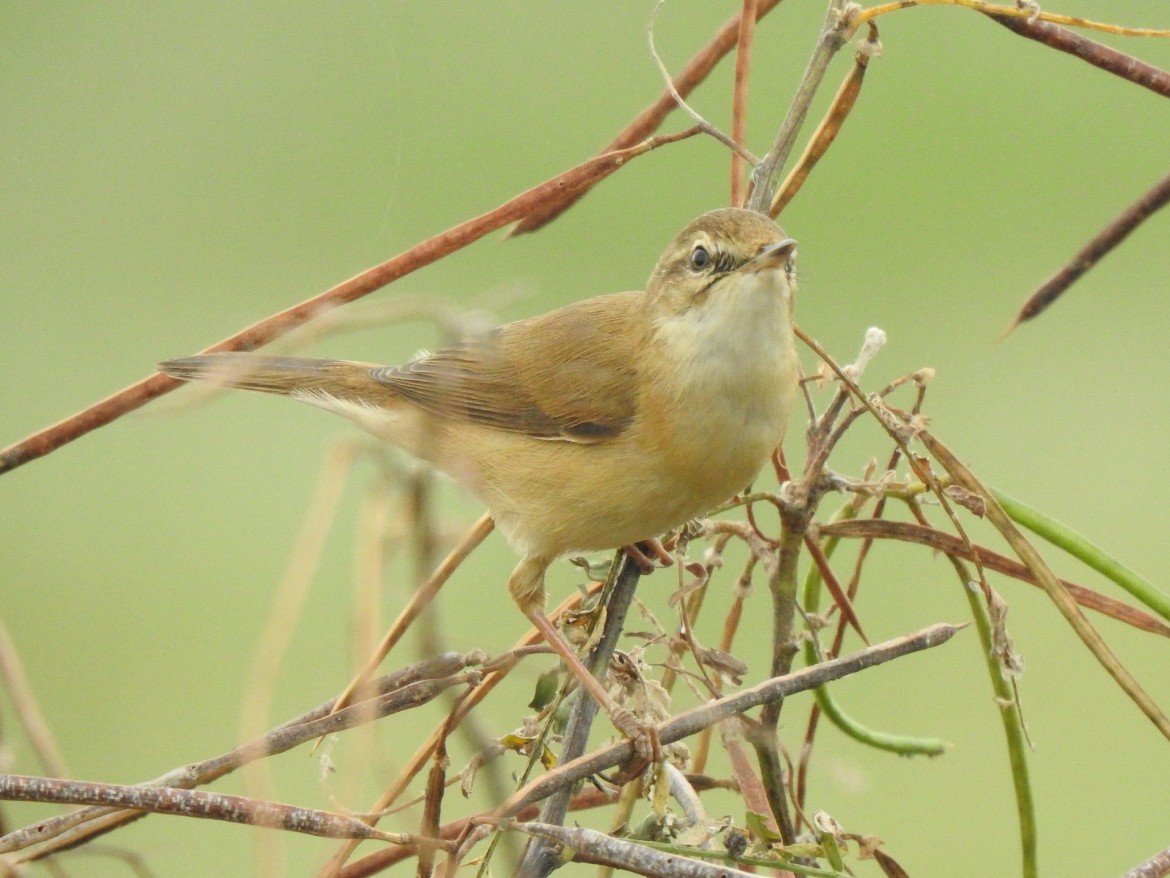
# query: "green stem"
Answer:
x=1069 y=540
x=903 y=745
x=1012 y=720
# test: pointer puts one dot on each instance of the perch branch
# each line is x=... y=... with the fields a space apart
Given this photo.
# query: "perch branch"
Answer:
x=686 y=724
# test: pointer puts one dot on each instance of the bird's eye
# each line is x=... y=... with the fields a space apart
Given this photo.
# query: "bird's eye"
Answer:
x=700 y=258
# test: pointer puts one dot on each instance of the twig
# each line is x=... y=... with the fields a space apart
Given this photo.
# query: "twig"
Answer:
x=704 y=126
x=944 y=542
x=418 y=602
x=1157 y=866
x=591 y=846
x=1108 y=238
x=381 y=860
x=686 y=724
x=1064 y=602
x=1097 y=54
x=1019 y=12
x=743 y=64
x=830 y=126
x=833 y=35
x=840 y=598
x=24 y=705
x=647 y=122
x=423 y=753
x=192 y=803
x=258 y=334
x=540 y=858
x=291 y=594
x=402 y=690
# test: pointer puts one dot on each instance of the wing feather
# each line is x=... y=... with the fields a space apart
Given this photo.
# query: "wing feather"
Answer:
x=569 y=374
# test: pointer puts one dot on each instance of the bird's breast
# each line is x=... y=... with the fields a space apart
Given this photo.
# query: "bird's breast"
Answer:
x=719 y=405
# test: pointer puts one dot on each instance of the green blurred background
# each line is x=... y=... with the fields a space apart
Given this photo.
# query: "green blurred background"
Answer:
x=170 y=174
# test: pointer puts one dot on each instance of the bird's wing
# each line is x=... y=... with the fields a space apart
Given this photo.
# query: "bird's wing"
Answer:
x=568 y=374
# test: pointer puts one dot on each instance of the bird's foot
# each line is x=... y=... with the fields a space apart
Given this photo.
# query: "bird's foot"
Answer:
x=644 y=735
x=647 y=552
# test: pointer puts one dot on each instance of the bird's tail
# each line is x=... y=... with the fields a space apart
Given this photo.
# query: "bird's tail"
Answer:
x=287 y=376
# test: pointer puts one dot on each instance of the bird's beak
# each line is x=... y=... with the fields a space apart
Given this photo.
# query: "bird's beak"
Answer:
x=772 y=256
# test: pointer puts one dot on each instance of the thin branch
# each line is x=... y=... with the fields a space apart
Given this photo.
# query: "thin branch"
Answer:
x=834 y=33
x=645 y=123
x=1026 y=12
x=1027 y=553
x=292 y=592
x=423 y=753
x=880 y=528
x=646 y=858
x=24 y=705
x=686 y=724
x=383 y=859
x=1157 y=866
x=705 y=126
x=840 y=598
x=258 y=334
x=422 y=596
x=540 y=858
x=1092 y=253
x=402 y=690
x=191 y=803
x=743 y=64
x=1090 y=51
x=830 y=126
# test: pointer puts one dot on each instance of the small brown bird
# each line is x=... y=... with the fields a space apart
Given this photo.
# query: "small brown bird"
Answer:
x=597 y=425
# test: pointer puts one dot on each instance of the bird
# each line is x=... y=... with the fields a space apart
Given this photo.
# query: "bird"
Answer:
x=601 y=424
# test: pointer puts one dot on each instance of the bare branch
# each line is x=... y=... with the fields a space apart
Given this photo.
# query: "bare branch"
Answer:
x=705 y=126
x=24 y=704
x=402 y=690
x=645 y=123
x=686 y=724
x=880 y=528
x=835 y=31
x=1090 y=51
x=743 y=63
x=190 y=803
x=830 y=126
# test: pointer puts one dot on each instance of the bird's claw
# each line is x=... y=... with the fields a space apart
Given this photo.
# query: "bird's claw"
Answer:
x=647 y=552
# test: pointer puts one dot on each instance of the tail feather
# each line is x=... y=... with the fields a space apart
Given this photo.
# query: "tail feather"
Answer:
x=299 y=376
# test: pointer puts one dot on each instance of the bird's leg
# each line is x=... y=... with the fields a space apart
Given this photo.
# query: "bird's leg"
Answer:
x=526 y=586
x=645 y=553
